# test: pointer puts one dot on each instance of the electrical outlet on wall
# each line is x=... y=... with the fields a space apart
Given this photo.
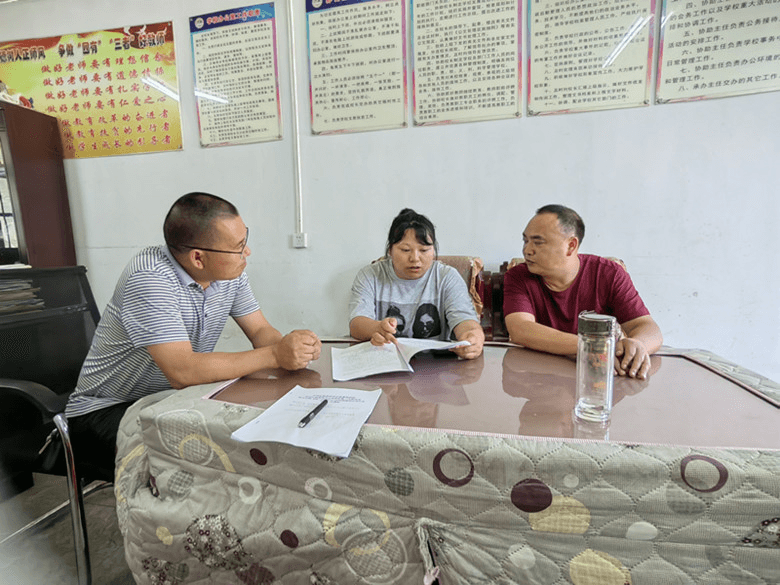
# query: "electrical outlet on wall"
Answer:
x=300 y=240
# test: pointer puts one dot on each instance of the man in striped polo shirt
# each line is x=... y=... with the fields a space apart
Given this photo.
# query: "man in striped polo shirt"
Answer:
x=161 y=325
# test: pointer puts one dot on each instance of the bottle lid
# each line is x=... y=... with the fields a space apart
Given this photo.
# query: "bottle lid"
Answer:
x=590 y=322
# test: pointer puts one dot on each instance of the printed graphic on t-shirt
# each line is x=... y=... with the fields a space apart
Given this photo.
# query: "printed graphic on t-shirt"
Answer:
x=394 y=311
x=425 y=319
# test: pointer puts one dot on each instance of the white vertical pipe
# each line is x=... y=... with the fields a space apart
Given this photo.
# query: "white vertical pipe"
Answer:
x=296 y=136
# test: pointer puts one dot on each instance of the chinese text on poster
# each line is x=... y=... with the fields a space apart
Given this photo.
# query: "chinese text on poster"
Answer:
x=114 y=91
x=356 y=64
x=236 y=76
x=466 y=60
x=714 y=48
x=589 y=55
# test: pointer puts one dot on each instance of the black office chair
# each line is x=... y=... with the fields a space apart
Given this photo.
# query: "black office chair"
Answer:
x=47 y=319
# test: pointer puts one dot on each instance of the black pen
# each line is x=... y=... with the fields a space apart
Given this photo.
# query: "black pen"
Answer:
x=308 y=418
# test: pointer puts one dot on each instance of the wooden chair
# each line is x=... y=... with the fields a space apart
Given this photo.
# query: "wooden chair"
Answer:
x=471 y=269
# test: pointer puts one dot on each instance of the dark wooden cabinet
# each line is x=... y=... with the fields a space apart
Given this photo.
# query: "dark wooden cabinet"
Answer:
x=35 y=225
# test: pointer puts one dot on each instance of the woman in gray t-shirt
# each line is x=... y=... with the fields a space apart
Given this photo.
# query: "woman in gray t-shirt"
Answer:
x=409 y=293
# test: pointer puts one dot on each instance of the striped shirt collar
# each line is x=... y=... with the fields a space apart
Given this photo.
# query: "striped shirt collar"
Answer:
x=186 y=280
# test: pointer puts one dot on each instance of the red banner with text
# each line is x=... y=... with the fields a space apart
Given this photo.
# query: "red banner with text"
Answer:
x=114 y=91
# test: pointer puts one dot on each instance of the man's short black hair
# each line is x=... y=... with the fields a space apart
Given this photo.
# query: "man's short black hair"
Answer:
x=190 y=219
x=570 y=221
x=408 y=219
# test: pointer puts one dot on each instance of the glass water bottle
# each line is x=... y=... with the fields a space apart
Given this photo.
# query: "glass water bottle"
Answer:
x=595 y=359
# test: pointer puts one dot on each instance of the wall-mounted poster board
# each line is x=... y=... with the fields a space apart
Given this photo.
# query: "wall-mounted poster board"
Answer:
x=466 y=60
x=357 y=64
x=718 y=48
x=236 y=75
x=115 y=91
x=589 y=55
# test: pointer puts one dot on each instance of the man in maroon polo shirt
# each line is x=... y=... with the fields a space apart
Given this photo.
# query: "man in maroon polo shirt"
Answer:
x=544 y=296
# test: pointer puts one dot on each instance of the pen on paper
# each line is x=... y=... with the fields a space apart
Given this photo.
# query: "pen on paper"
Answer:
x=308 y=418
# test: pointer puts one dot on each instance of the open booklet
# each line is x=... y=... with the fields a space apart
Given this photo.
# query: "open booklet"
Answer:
x=365 y=359
x=298 y=418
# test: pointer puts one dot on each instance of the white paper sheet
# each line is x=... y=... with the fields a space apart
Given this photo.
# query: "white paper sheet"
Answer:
x=333 y=430
x=365 y=359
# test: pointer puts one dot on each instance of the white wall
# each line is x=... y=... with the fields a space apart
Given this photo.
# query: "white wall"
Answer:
x=684 y=193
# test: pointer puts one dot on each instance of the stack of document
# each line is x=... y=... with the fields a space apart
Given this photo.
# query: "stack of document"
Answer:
x=19 y=296
x=332 y=429
x=365 y=359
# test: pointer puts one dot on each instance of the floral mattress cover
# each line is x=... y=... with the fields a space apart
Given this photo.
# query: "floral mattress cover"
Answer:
x=413 y=506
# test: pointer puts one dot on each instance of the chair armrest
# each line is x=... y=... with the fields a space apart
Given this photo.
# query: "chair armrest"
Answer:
x=38 y=395
x=486 y=292
x=499 y=327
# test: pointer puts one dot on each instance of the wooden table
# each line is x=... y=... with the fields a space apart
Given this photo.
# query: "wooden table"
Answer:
x=515 y=391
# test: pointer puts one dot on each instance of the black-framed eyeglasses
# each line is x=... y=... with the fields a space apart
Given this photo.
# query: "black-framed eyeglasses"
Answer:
x=240 y=252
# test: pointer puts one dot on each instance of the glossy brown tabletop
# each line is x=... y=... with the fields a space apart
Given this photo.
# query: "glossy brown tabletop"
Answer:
x=517 y=391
